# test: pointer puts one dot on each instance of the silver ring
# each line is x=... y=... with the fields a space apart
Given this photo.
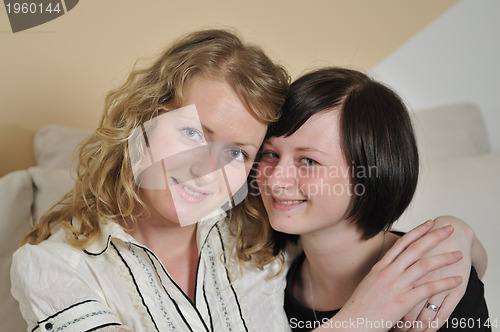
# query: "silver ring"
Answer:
x=432 y=307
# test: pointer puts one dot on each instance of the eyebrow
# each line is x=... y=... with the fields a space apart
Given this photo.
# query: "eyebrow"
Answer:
x=210 y=132
x=309 y=149
x=302 y=148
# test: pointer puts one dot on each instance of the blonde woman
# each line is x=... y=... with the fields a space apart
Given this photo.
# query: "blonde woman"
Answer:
x=123 y=251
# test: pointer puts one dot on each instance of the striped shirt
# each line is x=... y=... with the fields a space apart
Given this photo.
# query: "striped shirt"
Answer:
x=116 y=281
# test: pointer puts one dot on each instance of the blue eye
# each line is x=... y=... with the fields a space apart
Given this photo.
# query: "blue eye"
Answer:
x=192 y=134
x=309 y=161
x=237 y=155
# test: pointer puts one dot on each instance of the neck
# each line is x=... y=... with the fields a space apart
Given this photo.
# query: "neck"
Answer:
x=175 y=246
x=337 y=259
x=167 y=240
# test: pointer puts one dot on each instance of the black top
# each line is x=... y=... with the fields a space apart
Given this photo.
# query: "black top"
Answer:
x=300 y=317
x=471 y=313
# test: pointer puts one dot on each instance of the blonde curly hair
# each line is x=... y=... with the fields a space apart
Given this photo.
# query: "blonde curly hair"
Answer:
x=105 y=188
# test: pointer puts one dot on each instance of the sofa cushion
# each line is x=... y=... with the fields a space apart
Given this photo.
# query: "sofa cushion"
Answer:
x=54 y=145
x=467 y=187
x=451 y=131
x=16 y=195
x=49 y=185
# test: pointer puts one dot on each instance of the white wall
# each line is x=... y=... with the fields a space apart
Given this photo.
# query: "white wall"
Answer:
x=60 y=71
x=455 y=58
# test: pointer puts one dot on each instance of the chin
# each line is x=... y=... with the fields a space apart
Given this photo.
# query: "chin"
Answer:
x=284 y=226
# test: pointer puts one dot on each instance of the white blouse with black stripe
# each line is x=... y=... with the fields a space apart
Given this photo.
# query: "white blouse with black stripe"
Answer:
x=117 y=282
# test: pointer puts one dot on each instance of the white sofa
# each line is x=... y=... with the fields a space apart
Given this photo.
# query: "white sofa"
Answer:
x=459 y=177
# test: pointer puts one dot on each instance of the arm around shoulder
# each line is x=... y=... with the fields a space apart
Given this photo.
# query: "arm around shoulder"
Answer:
x=389 y=291
x=466 y=237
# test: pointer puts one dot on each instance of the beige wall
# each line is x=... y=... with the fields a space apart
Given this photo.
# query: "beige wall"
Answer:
x=59 y=72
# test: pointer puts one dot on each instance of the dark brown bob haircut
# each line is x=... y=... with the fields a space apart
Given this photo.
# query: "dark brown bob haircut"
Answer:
x=375 y=134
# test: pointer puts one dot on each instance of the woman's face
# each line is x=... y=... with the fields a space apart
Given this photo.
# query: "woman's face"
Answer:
x=304 y=178
x=199 y=155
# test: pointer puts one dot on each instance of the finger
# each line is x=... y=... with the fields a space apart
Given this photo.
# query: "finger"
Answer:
x=400 y=329
x=403 y=242
x=448 y=305
x=419 y=248
x=413 y=314
x=423 y=292
x=427 y=315
x=421 y=317
x=423 y=266
x=429 y=289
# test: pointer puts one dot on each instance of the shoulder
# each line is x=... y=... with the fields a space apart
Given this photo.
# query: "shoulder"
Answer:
x=48 y=263
x=471 y=311
x=52 y=281
x=262 y=295
x=472 y=304
x=48 y=252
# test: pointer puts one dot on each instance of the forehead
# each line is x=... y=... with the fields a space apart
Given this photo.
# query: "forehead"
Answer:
x=222 y=112
x=321 y=130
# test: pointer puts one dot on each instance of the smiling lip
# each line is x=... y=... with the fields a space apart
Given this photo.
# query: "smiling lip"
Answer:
x=189 y=193
x=287 y=204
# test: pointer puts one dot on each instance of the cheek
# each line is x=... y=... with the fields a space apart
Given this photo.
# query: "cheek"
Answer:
x=235 y=177
x=152 y=177
x=262 y=174
x=338 y=194
x=159 y=200
x=326 y=185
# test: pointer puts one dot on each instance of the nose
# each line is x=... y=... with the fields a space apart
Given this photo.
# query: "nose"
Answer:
x=280 y=176
x=203 y=169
